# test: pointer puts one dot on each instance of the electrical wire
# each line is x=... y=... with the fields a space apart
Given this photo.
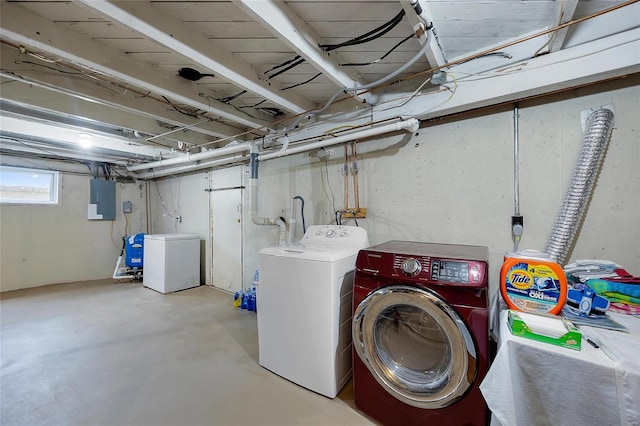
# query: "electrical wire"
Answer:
x=304 y=82
x=209 y=98
x=370 y=36
x=362 y=64
x=275 y=67
x=555 y=33
x=164 y=207
x=49 y=67
x=254 y=105
x=361 y=39
x=180 y=110
x=126 y=226
x=228 y=99
x=406 y=78
x=293 y=65
x=413 y=95
x=366 y=87
x=175 y=198
x=112 y=240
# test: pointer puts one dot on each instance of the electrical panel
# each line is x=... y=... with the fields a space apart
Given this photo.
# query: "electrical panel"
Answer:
x=102 y=200
x=127 y=207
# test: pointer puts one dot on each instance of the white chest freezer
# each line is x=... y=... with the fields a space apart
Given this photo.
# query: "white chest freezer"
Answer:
x=171 y=262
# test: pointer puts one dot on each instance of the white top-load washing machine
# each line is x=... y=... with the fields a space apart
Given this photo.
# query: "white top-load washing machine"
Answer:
x=304 y=307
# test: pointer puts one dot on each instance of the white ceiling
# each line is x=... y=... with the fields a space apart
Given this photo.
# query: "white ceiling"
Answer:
x=113 y=66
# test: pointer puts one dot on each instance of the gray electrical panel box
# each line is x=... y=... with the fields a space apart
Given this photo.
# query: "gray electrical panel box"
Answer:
x=102 y=200
x=127 y=207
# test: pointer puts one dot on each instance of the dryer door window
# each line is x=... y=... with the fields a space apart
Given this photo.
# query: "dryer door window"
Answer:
x=415 y=345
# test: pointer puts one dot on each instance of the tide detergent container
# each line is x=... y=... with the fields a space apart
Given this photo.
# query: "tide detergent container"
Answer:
x=530 y=281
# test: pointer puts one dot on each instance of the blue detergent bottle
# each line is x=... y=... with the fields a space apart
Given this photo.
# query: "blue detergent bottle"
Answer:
x=245 y=301
x=251 y=302
x=254 y=302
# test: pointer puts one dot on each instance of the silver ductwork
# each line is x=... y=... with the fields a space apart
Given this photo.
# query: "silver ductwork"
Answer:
x=599 y=126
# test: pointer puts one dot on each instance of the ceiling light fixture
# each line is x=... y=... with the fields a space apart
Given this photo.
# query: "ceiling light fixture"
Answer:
x=84 y=140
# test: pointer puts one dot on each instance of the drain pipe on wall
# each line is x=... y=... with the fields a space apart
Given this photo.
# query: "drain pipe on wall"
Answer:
x=597 y=135
x=411 y=125
x=253 y=193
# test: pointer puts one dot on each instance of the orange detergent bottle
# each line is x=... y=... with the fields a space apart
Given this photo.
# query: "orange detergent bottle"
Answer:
x=530 y=281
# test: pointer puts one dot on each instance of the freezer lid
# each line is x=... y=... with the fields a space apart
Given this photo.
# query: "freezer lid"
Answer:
x=171 y=237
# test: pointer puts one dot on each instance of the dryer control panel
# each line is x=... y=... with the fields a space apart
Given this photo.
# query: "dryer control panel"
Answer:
x=424 y=262
x=455 y=271
x=440 y=270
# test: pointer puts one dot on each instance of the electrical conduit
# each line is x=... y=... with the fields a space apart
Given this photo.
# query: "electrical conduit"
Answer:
x=599 y=126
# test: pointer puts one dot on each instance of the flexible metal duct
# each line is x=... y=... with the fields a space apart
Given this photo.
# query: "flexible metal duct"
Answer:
x=599 y=126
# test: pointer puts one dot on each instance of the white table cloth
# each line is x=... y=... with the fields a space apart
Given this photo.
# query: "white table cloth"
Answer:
x=535 y=383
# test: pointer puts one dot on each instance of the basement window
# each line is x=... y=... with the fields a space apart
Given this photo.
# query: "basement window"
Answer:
x=28 y=186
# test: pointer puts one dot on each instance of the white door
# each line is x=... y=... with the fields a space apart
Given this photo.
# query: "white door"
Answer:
x=226 y=229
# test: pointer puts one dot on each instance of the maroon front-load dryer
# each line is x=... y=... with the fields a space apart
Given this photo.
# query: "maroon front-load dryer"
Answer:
x=421 y=333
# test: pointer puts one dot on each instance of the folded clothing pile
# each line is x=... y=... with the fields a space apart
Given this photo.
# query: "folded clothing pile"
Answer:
x=609 y=280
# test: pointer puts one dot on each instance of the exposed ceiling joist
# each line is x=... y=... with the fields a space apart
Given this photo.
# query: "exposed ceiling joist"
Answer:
x=434 y=52
x=610 y=57
x=295 y=33
x=13 y=149
x=564 y=13
x=60 y=42
x=68 y=136
x=173 y=34
x=90 y=90
x=33 y=97
x=118 y=62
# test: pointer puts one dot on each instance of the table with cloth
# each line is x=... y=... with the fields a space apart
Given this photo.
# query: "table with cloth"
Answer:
x=535 y=383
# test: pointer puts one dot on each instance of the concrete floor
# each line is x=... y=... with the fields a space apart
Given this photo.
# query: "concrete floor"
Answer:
x=106 y=353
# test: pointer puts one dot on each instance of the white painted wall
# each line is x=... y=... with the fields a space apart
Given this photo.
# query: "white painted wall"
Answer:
x=41 y=245
x=453 y=182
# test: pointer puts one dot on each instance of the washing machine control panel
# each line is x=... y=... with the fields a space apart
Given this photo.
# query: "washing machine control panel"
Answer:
x=335 y=235
x=441 y=270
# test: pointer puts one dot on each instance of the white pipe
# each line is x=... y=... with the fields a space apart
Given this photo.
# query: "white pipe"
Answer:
x=191 y=167
x=412 y=125
x=253 y=197
x=189 y=158
x=264 y=221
